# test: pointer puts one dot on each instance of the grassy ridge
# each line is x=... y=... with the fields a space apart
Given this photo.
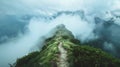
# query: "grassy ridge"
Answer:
x=79 y=55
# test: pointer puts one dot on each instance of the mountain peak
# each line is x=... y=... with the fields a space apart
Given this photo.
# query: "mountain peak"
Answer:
x=62 y=31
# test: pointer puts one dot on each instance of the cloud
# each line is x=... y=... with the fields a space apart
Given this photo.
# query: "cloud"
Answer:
x=34 y=6
x=109 y=47
x=116 y=5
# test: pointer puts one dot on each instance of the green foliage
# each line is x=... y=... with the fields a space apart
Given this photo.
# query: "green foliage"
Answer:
x=22 y=62
x=75 y=41
x=86 y=56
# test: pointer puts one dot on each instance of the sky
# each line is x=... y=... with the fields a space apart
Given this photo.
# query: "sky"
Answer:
x=36 y=6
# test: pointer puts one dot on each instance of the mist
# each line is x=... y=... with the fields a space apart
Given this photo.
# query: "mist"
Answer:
x=44 y=15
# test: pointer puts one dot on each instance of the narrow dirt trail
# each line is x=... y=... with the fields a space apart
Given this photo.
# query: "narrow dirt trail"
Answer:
x=63 y=56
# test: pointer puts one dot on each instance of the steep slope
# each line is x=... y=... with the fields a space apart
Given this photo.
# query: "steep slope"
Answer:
x=63 y=50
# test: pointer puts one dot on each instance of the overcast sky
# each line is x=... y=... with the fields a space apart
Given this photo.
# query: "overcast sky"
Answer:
x=36 y=6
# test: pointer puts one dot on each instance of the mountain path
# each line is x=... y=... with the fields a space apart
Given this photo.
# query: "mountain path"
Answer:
x=63 y=56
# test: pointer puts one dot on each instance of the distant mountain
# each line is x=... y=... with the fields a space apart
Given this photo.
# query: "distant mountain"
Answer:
x=108 y=31
x=11 y=26
x=63 y=50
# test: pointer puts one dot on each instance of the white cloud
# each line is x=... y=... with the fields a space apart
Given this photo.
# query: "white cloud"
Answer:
x=109 y=46
x=33 y=6
x=116 y=5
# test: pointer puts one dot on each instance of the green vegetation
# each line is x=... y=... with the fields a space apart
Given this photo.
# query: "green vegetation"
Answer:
x=78 y=55
x=86 y=56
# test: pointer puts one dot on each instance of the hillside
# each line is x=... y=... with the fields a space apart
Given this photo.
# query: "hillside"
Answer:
x=63 y=50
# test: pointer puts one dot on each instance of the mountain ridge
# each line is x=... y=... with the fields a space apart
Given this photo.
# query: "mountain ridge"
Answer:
x=63 y=50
